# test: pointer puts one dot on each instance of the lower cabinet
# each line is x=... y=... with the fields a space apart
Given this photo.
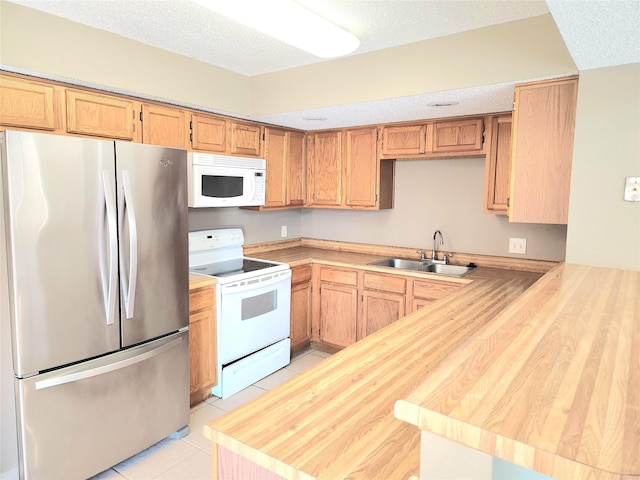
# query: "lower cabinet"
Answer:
x=423 y=292
x=300 y=307
x=350 y=304
x=337 y=305
x=203 y=373
x=383 y=302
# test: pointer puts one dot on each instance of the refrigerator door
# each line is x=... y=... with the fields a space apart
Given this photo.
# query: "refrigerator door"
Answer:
x=59 y=195
x=154 y=256
x=78 y=421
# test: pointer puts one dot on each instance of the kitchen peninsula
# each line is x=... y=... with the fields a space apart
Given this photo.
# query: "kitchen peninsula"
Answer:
x=545 y=376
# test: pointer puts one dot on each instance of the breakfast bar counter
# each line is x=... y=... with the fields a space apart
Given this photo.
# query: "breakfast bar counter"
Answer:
x=547 y=377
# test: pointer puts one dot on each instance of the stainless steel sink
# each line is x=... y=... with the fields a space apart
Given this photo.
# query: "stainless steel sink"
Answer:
x=452 y=270
x=403 y=263
x=426 y=266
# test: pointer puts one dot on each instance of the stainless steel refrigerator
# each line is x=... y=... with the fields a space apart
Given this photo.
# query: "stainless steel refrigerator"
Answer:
x=95 y=357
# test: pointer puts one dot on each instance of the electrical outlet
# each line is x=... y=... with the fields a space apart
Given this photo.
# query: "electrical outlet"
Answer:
x=632 y=189
x=518 y=245
x=283 y=231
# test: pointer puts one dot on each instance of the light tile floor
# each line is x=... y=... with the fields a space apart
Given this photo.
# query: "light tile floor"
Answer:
x=190 y=458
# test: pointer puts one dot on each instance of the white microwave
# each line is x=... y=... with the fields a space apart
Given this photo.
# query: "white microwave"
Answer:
x=224 y=181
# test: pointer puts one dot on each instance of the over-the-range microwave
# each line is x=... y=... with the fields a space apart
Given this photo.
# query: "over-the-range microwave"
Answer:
x=225 y=181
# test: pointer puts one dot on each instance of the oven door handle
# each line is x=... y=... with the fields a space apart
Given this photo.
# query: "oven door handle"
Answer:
x=254 y=283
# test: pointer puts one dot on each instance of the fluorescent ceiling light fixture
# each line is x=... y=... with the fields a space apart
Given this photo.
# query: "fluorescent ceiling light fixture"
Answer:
x=289 y=22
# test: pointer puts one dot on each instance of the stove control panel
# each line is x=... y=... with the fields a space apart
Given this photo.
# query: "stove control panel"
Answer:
x=215 y=239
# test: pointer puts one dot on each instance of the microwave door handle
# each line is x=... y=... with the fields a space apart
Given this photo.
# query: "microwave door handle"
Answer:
x=129 y=283
x=112 y=282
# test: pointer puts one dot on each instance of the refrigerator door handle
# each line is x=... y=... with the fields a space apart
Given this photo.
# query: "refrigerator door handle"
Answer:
x=110 y=206
x=129 y=284
x=112 y=367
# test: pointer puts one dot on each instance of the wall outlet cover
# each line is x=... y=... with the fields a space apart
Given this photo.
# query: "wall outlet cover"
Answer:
x=518 y=245
x=632 y=189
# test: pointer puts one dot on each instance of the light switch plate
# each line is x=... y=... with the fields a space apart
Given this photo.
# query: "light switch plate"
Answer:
x=518 y=245
x=632 y=189
x=283 y=231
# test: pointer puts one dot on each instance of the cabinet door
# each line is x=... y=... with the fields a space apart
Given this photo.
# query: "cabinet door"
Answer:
x=383 y=302
x=458 y=136
x=498 y=166
x=163 y=126
x=404 y=140
x=246 y=139
x=100 y=115
x=380 y=309
x=338 y=314
x=202 y=343
x=27 y=104
x=543 y=127
x=208 y=133
x=276 y=147
x=361 y=168
x=300 y=307
x=296 y=170
x=326 y=172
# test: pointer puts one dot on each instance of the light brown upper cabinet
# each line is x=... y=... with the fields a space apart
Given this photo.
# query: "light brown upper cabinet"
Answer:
x=285 y=153
x=297 y=169
x=100 y=115
x=498 y=165
x=345 y=172
x=246 y=139
x=403 y=140
x=208 y=133
x=361 y=160
x=163 y=125
x=29 y=104
x=458 y=136
x=276 y=146
x=325 y=169
x=215 y=134
x=543 y=128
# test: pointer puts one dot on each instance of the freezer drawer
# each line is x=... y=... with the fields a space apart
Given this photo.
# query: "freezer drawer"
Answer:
x=80 y=420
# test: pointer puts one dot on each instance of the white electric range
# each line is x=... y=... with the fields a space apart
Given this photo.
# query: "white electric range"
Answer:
x=253 y=300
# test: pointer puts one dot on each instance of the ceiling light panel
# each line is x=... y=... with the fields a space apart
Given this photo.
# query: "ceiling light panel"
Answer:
x=289 y=22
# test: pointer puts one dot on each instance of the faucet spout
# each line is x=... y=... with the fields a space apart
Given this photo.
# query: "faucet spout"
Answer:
x=434 y=250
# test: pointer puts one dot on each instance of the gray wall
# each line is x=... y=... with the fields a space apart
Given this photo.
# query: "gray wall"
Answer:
x=437 y=194
x=430 y=194
x=604 y=230
x=258 y=227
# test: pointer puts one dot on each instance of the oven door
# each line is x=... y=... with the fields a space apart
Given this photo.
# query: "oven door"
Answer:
x=225 y=187
x=253 y=314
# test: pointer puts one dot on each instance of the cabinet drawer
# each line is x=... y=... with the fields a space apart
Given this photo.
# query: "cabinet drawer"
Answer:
x=433 y=290
x=201 y=298
x=300 y=274
x=335 y=275
x=387 y=283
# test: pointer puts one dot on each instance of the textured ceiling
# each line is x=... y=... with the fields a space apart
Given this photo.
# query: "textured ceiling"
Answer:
x=187 y=28
x=597 y=34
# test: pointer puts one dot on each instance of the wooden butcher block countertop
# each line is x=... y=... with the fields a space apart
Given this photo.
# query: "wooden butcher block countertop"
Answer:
x=552 y=383
x=336 y=420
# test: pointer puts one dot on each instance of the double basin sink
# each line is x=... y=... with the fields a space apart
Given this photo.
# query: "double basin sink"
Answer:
x=424 y=266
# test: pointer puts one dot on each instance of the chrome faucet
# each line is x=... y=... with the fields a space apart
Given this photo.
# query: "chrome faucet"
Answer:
x=434 y=251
